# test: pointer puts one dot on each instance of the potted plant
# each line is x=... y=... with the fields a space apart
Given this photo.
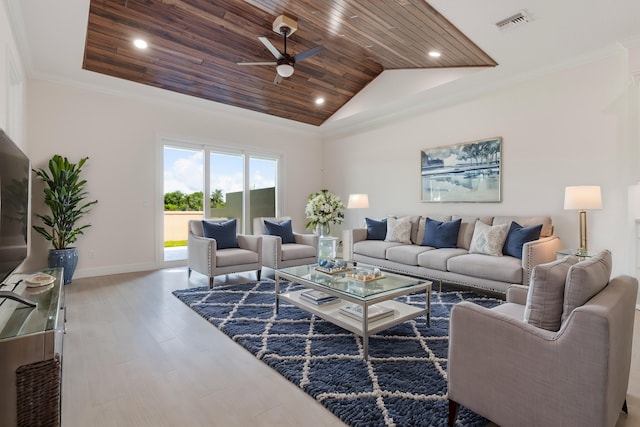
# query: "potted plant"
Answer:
x=65 y=196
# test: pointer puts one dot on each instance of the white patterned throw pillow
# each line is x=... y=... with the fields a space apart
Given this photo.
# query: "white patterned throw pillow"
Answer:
x=488 y=239
x=398 y=230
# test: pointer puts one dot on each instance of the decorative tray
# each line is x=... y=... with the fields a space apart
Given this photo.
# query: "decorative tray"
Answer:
x=364 y=278
x=333 y=270
x=364 y=275
x=333 y=266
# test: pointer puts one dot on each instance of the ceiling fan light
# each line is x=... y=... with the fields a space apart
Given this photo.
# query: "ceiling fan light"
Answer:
x=285 y=70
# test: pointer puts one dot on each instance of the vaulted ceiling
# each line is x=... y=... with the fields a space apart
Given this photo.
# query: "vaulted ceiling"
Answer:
x=195 y=47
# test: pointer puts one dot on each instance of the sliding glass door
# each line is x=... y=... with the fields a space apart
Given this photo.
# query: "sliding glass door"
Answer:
x=211 y=182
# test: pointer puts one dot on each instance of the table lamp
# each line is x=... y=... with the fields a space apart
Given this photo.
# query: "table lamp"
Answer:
x=582 y=198
x=358 y=201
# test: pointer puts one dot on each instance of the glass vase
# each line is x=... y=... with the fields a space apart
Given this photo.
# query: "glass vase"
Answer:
x=323 y=230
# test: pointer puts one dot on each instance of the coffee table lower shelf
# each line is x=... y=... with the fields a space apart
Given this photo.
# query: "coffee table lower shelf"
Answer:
x=331 y=313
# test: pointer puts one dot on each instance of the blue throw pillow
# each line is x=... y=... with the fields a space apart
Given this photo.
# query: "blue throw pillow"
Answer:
x=282 y=229
x=224 y=233
x=438 y=234
x=518 y=236
x=376 y=230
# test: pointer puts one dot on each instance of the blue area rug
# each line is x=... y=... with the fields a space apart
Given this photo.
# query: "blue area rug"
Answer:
x=402 y=384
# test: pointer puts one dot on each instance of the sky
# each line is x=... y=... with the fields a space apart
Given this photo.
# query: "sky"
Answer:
x=183 y=170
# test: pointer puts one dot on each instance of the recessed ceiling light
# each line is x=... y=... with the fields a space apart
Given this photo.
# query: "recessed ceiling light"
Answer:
x=319 y=101
x=140 y=44
x=435 y=54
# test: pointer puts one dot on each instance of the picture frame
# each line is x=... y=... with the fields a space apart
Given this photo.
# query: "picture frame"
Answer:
x=467 y=172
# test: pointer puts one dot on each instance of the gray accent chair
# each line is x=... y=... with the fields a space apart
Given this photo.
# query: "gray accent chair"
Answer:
x=204 y=257
x=516 y=374
x=277 y=255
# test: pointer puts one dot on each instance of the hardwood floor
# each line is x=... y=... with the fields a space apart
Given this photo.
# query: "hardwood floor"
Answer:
x=136 y=356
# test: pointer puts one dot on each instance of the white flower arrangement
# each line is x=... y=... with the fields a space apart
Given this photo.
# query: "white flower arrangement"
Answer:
x=323 y=208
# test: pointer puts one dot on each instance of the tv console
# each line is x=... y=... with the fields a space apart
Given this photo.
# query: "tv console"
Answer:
x=31 y=350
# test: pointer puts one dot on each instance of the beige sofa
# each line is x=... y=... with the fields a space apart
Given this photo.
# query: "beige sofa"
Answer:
x=455 y=265
x=505 y=367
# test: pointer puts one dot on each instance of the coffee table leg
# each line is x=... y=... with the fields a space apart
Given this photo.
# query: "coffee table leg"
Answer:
x=277 y=293
x=428 y=306
x=365 y=331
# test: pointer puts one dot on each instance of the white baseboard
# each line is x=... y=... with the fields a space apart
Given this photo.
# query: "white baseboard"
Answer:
x=637 y=306
x=114 y=269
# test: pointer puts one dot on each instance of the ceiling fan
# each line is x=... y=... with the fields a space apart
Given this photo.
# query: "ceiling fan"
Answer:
x=284 y=62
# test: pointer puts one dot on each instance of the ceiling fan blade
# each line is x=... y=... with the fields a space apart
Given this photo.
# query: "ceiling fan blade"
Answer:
x=307 y=53
x=256 y=63
x=275 y=52
x=278 y=79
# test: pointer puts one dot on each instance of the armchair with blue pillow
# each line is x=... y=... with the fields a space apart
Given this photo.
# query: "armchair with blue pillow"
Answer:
x=281 y=246
x=215 y=248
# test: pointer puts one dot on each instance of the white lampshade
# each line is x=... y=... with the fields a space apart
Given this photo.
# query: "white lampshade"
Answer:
x=358 y=201
x=285 y=70
x=582 y=197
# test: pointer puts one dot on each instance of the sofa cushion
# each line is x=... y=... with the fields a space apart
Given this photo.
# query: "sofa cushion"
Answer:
x=422 y=225
x=436 y=259
x=376 y=230
x=235 y=256
x=282 y=229
x=438 y=234
x=398 y=230
x=406 y=254
x=584 y=280
x=528 y=221
x=546 y=293
x=502 y=269
x=297 y=251
x=466 y=228
x=488 y=239
x=373 y=248
x=224 y=233
x=518 y=236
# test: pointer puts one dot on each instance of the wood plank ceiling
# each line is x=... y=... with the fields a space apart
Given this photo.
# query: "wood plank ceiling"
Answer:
x=195 y=45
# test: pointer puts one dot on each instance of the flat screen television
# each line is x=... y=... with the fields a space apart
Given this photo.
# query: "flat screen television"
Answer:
x=15 y=189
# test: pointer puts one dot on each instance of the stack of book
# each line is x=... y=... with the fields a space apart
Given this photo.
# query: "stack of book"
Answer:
x=374 y=312
x=317 y=297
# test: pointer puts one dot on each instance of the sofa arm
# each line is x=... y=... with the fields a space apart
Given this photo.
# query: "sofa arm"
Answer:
x=271 y=251
x=201 y=254
x=538 y=252
x=349 y=238
x=517 y=294
x=306 y=239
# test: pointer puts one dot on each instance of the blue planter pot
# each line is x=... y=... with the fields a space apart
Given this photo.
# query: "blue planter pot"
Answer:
x=65 y=258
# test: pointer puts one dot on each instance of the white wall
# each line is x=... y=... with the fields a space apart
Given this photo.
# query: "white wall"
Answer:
x=570 y=127
x=12 y=96
x=119 y=136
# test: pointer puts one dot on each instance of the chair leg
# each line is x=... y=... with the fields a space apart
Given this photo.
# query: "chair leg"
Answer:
x=453 y=412
x=259 y=273
x=188 y=272
x=210 y=282
x=624 y=407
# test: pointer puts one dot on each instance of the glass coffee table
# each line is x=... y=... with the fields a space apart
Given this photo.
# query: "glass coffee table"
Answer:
x=363 y=307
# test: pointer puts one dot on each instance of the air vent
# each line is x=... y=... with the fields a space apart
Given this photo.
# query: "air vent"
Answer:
x=517 y=20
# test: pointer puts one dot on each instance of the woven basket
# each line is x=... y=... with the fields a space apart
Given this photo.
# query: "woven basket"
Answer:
x=38 y=393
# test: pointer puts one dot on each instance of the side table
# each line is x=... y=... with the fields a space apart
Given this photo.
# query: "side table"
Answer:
x=581 y=255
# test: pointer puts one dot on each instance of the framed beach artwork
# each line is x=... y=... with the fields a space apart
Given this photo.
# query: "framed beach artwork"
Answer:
x=468 y=172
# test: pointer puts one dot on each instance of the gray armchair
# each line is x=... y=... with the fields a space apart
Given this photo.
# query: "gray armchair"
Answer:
x=205 y=258
x=276 y=254
x=517 y=374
